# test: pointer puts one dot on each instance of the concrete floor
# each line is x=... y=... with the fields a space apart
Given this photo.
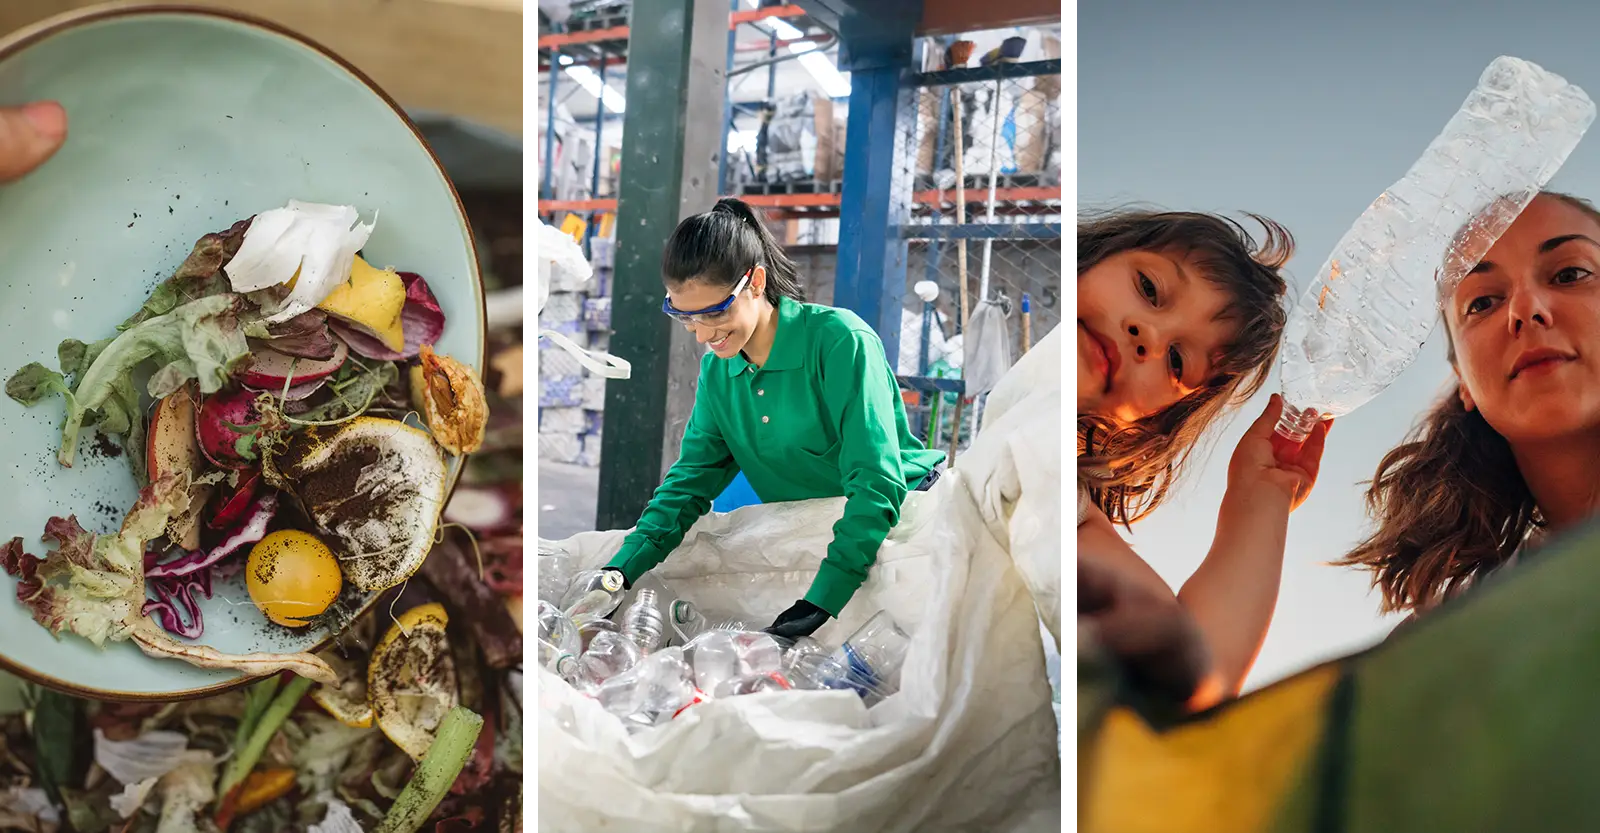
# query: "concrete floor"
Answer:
x=568 y=497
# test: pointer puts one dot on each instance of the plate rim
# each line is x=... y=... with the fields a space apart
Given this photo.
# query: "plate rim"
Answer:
x=29 y=35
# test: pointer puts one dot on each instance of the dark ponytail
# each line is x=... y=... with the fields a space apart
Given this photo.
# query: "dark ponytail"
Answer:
x=722 y=244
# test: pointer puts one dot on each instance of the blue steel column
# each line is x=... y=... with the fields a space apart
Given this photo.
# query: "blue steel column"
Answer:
x=550 y=127
x=874 y=203
x=594 y=176
x=727 y=109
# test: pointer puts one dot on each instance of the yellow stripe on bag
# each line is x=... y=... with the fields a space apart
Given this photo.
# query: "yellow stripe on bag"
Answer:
x=1229 y=773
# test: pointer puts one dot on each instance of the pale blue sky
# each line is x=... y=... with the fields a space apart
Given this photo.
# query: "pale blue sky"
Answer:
x=1302 y=114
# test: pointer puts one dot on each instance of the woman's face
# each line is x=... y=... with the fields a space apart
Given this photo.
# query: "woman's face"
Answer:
x=1150 y=330
x=727 y=332
x=1526 y=326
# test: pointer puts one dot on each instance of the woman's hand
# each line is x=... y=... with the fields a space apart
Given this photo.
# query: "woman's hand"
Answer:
x=801 y=619
x=29 y=135
x=1262 y=467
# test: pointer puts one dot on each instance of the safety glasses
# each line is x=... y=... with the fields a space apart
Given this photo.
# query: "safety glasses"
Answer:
x=709 y=314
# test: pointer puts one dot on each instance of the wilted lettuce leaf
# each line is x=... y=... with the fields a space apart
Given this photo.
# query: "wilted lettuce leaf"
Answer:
x=199 y=276
x=93 y=585
x=35 y=382
x=202 y=340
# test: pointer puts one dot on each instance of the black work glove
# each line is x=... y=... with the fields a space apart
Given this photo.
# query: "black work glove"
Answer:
x=802 y=619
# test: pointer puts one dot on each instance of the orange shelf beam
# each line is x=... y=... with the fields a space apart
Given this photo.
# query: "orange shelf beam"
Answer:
x=780 y=201
x=560 y=39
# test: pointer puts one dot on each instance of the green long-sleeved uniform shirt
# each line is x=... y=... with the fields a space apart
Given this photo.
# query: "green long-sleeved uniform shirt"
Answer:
x=823 y=418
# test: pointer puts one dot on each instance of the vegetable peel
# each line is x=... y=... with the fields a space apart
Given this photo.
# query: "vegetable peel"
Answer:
x=308 y=246
x=93 y=585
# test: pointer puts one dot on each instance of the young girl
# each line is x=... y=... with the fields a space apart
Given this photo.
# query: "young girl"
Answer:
x=800 y=397
x=1179 y=318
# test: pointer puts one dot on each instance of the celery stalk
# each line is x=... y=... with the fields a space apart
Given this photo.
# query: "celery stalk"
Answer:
x=438 y=771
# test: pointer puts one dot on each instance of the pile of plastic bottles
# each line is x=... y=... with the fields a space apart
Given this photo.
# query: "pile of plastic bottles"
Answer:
x=649 y=659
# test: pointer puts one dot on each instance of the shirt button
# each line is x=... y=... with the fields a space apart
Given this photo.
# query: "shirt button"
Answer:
x=762 y=392
x=766 y=419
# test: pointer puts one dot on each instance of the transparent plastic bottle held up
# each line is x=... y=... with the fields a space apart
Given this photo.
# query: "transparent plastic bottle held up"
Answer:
x=1365 y=317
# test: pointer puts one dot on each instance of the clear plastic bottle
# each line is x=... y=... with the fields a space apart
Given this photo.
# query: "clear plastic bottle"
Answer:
x=660 y=685
x=590 y=628
x=802 y=647
x=555 y=573
x=688 y=622
x=759 y=653
x=609 y=654
x=820 y=672
x=554 y=658
x=714 y=658
x=594 y=595
x=872 y=657
x=1365 y=317
x=642 y=622
x=557 y=629
x=753 y=684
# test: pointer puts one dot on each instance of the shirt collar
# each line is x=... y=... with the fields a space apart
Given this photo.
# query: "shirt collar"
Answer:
x=788 y=344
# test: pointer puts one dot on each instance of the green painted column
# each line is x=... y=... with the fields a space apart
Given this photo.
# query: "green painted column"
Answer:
x=672 y=142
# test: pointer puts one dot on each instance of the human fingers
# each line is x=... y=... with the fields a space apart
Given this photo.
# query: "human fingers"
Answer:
x=29 y=135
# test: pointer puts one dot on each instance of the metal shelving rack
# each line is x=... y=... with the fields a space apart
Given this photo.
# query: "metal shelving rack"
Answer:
x=873 y=225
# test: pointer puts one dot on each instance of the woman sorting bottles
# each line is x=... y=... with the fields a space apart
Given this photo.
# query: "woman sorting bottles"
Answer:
x=800 y=397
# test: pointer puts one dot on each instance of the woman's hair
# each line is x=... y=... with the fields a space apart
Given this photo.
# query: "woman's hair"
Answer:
x=1450 y=503
x=722 y=244
x=1146 y=457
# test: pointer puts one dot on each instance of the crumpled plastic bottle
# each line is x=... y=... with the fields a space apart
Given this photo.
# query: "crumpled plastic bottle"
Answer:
x=655 y=689
x=609 y=654
x=1365 y=317
x=714 y=658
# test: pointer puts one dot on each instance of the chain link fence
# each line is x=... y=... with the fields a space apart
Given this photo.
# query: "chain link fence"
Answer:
x=989 y=147
x=984 y=163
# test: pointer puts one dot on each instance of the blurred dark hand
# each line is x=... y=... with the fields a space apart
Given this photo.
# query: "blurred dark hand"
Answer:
x=1150 y=635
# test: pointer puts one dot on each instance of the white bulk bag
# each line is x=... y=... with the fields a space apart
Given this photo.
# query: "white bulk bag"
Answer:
x=967 y=743
x=561 y=260
x=1014 y=469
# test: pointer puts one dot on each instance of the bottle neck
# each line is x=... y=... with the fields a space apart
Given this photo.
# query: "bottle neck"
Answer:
x=1295 y=425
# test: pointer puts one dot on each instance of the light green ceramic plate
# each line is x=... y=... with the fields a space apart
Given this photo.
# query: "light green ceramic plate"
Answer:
x=183 y=121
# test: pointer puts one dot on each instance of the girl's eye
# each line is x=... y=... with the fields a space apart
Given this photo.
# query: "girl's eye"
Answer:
x=1478 y=304
x=1147 y=287
x=1175 y=363
x=1571 y=274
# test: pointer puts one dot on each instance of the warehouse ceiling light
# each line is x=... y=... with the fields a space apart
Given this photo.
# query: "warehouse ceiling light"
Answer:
x=590 y=81
x=835 y=83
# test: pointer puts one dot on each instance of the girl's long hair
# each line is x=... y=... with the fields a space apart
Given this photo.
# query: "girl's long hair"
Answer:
x=1147 y=457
